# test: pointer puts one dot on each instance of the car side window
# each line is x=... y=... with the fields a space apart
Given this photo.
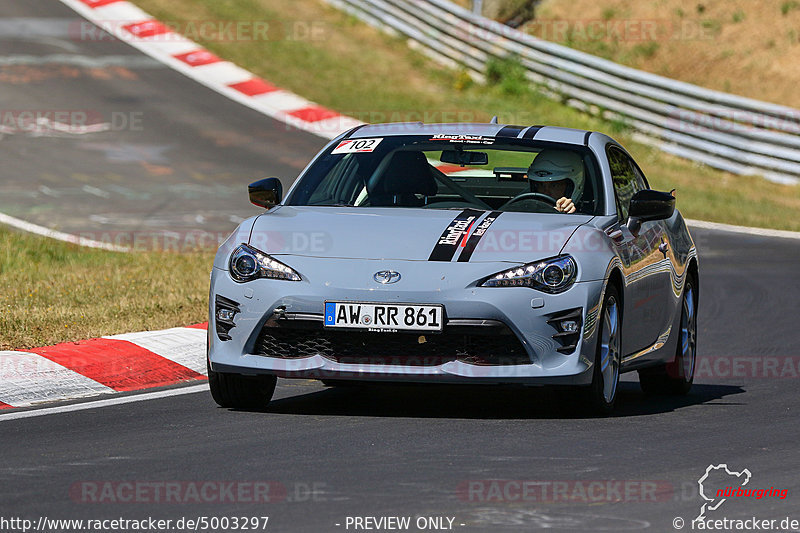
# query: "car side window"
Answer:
x=343 y=185
x=639 y=176
x=627 y=179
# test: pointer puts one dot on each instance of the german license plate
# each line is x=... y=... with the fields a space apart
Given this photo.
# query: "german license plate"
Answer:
x=383 y=317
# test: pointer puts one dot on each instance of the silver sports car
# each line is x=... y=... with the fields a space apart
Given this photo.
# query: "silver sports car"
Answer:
x=460 y=253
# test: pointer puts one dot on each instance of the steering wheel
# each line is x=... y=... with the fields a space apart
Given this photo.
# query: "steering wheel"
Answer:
x=535 y=196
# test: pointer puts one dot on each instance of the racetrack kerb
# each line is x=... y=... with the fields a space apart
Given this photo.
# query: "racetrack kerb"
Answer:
x=356 y=70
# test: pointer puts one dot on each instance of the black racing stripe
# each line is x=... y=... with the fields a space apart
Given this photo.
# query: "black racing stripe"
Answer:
x=586 y=138
x=510 y=131
x=531 y=132
x=451 y=237
x=477 y=235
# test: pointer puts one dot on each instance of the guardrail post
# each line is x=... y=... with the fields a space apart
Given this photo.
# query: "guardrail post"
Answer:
x=725 y=131
x=477 y=7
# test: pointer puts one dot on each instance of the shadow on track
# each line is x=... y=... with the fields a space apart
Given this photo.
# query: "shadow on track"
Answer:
x=480 y=402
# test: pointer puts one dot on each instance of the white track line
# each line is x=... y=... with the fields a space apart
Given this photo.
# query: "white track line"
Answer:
x=762 y=232
x=89 y=243
x=58 y=235
x=104 y=403
x=113 y=18
x=218 y=76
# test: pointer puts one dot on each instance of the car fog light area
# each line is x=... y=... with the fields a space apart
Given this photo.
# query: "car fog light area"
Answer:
x=226 y=310
x=553 y=275
x=568 y=329
x=248 y=263
x=225 y=315
x=569 y=326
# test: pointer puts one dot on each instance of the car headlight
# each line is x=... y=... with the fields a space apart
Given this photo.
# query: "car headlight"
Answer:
x=247 y=263
x=552 y=275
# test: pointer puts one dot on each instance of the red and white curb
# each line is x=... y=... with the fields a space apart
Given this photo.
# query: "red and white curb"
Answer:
x=136 y=361
x=117 y=363
x=134 y=26
x=130 y=24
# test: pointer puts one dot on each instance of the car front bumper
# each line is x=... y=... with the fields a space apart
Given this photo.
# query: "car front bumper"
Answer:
x=474 y=312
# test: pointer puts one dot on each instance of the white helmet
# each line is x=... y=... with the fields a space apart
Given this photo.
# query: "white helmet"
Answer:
x=557 y=165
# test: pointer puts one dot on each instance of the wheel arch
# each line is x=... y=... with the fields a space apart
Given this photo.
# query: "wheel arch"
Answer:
x=693 y=270
x=615 y=278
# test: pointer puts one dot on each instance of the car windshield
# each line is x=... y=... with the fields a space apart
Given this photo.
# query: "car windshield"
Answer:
x=451 y=172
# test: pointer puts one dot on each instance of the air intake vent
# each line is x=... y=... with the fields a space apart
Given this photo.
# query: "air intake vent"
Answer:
x=568 y=329
x=225 y=310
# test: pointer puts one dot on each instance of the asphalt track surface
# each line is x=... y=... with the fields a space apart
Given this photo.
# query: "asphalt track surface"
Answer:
x=393 y=450
x=175 y=156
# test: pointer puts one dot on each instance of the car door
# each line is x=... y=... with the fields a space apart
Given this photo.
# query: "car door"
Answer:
x=646 y=273
x=666 y=301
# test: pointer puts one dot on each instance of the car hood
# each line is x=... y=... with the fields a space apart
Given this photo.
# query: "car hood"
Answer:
x=412 y=234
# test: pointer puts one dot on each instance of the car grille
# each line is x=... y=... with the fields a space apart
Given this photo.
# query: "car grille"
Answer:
x=408 y=349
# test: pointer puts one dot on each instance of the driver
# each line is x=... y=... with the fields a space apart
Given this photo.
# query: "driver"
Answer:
x=559 y=175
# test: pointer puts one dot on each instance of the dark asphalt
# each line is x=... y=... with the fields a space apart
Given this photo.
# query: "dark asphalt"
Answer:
x=409 y=451
x=378 y=451
x=178 y=157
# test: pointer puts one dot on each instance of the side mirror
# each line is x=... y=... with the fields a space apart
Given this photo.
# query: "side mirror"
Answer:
x=649 y=205
x=265 y=193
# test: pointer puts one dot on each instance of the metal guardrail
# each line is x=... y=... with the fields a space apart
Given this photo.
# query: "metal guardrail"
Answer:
x=741 y=135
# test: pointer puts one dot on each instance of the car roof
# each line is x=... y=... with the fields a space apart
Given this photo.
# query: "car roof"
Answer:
x=537 y=132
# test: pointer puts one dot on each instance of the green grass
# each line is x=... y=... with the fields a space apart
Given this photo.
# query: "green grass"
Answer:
x=609 y=13
x=362 y=72
x=788 y=6
x=54 y=292
x=713 y=25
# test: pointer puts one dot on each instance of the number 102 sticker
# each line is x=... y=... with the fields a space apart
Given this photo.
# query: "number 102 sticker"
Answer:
x=355 y=146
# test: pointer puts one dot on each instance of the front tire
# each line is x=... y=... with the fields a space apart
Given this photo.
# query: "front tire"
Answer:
x=601 y=395
x=241 y=392
x=676 y=378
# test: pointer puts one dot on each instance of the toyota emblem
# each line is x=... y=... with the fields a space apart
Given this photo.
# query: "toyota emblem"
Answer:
x=386 y=276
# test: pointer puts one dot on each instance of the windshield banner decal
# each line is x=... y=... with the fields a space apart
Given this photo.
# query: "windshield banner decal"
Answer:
x=357 y=146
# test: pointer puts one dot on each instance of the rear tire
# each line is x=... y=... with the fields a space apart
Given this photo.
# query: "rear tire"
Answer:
x=241 y=392
x=675 y=378
x=601 y=395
